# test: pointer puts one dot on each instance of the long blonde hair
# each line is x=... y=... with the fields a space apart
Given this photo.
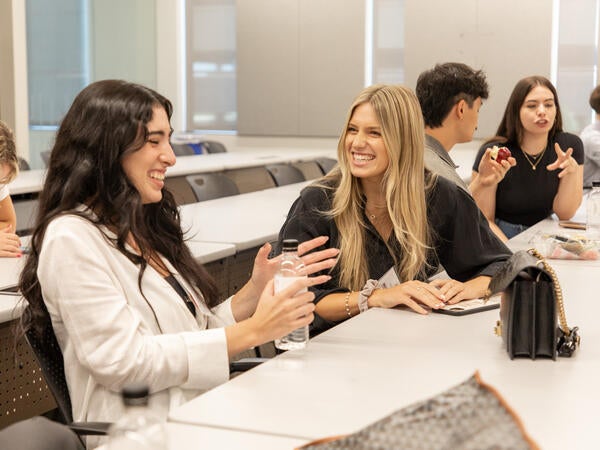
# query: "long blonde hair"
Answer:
x=399 y=114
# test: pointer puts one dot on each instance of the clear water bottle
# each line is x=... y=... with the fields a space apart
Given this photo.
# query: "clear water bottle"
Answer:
x=593 y=212
x=138 y=428
x=290 y=269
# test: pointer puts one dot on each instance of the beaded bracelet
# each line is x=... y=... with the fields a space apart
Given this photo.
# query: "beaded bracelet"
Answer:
x=346 y=304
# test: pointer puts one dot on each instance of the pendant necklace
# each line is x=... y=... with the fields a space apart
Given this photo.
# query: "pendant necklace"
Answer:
x=534 y=160
x=371 y=215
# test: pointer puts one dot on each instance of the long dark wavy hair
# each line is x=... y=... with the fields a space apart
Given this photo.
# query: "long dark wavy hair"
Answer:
x=511 y=128
x=107 y=121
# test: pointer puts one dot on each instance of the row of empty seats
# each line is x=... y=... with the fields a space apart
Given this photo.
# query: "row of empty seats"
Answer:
x=180 y=149
x=198 y=148
x=208 y=186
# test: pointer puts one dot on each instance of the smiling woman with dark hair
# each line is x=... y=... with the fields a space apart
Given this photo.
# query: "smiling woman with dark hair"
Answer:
x=110 y=271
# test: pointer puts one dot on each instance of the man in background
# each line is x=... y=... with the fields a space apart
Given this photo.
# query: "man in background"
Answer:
x=591 y=143
x=451 y=95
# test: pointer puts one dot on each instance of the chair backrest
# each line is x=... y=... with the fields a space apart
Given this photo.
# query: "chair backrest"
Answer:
x=182 y=149
x=46 y=157
x=251 y=179
x=310 y=169
x=49 y=356
x=326 y=164
x=285 y=174
x=207 y=186
x=213 y=147
x=23 y=164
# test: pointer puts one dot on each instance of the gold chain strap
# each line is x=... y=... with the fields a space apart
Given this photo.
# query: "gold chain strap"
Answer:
x=557 y=291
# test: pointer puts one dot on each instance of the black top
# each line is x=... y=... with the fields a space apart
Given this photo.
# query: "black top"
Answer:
x=525 y=196
x=464 y=243
x=182 y=293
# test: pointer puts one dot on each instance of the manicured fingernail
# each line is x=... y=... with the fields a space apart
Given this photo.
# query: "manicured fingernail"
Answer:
x=440 y=304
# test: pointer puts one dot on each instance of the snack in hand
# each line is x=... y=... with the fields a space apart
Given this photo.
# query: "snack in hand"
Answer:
x=500 y=154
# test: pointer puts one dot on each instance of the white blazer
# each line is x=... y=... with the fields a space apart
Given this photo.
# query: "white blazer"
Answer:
x=110 y=334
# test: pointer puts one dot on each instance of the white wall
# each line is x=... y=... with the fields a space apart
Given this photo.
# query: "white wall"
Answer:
x=304 y=86
x=508 y=39
x=299 y=64
x=13 y=72
x=124 y=40
x=170 y=57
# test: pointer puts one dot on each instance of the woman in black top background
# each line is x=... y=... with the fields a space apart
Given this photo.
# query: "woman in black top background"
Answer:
x=548 y=175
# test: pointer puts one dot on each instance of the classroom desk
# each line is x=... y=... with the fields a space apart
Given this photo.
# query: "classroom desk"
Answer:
x=10 y=270
x=464 y=158
x=32 y=181
x=216 y=162
x=383 y=360
x=204 y=252
x=187 y=437
x=246 y=220
x=28 y=182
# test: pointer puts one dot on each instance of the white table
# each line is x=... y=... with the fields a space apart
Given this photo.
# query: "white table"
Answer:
x=10 y=269
x=32 y=181
x=217 y=162
x=464 y=158
x=10 y=307
x=206 y=252
x=187 y=437
x=383 y=360
x=246 y=220
x=28 y=181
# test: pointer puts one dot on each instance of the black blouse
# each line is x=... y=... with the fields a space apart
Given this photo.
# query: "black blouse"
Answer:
x=525 y=196
x=463 y=242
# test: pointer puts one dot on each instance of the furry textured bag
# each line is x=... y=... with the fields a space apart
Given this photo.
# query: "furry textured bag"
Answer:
x=470 y=416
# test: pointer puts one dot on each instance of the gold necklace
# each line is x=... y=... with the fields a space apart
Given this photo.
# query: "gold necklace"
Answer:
x=374 y=216
x=536 y=159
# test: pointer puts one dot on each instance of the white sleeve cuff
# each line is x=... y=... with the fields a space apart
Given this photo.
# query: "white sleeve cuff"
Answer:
x=208 y=361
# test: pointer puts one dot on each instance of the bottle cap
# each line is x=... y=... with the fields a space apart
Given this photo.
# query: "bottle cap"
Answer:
x=595 y=183
x=289 y=245
x=135 y=394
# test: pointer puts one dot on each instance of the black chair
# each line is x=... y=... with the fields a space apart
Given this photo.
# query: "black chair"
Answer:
x=182 y=149
x=46 y=157
x=250 y=179
x=326 y=164
x=23 y=164
x=285 y=174
x=212 y=147
x=39 y=433
x=207 y=186
x=49 y=356
x=310 y=169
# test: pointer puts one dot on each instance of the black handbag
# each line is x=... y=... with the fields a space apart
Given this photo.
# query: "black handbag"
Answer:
x=531 y=301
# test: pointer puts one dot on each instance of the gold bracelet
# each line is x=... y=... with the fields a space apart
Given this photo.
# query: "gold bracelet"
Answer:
x=346 y=304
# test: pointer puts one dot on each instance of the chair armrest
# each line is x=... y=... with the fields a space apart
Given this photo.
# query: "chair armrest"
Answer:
x=90 y=428
x=244 y=364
